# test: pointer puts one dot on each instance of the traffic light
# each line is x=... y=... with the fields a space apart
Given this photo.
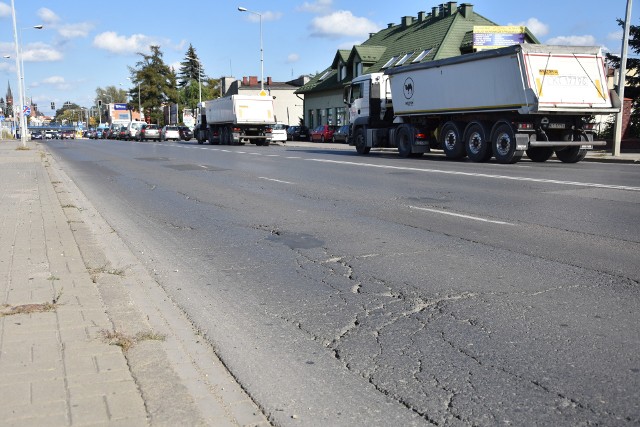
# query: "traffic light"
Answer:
x=53 y=105
x=99 y=103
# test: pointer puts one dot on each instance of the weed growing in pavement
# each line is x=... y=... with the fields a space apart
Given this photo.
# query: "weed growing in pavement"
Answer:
x=127 y=341
x=8 y=310
x=94 y=272
x=56 y=182
x=22 y=148
x=69 y=206
x=52 y=278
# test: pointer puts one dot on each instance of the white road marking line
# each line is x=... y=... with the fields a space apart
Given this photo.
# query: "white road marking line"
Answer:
x=475 y=218
x=275 y=180
x=482 y=175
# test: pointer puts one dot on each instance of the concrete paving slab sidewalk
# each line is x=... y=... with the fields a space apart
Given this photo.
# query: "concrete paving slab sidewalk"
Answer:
x=76 y=347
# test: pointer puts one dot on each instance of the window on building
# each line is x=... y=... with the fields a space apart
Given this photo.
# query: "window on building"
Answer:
x=342 y=73
x=341 y=116
x=330 y=118
x=389 y=62
x=422 y=55
x=357 y=69
x=312 y=119
x=404 y=58
x=324 y=75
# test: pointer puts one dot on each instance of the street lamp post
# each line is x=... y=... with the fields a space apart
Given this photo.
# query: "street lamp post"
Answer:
x=23 y=92
x=244 y=9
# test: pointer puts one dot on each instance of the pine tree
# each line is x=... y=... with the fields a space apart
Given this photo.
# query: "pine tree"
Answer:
x=190 y=69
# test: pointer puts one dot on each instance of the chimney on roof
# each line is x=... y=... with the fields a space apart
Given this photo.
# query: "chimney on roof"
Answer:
x=407 y=20
x=450 y=8
x=269 y=81
x=253 y=80
x=467 y=10
x=422 y=16
x=245 y=81
x=390 y=24
x=371 y=34
x=435 y=12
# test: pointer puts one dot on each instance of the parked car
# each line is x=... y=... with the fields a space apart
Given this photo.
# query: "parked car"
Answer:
x=133 y=129
x=122 y=134
x=298 y=133
x=277 y=133
x=322 y=133
x=186 y=134
x=67 y=134
x=149 y=131
x=170 y=132
x=341 y=134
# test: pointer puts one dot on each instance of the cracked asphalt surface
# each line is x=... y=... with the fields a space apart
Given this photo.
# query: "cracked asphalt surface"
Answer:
x=333 y=300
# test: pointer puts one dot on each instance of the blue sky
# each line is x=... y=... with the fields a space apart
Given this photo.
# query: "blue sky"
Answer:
x=86 y=45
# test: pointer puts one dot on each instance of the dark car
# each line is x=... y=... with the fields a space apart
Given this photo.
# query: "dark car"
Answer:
x=185 y=133
x=37 y=135
x=322 y=133
x=122 y=134
x=298 y=133
x=341 y=134
x=67 y=134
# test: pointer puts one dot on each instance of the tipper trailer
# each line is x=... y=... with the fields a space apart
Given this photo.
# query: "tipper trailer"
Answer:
x=531 y=98
x=232 y=119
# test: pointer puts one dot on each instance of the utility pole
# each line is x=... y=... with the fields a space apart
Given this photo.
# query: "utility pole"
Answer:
x=617 y=137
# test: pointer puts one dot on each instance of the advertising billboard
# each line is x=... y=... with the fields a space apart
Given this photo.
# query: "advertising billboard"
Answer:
x=494 y=36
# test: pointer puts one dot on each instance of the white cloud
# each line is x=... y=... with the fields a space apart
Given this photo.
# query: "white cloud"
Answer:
x=616 y=35
x=319 y=6
x=47 y=15
x=5 y=10
x=56 y=81
x=538 y=28
x=70 y=31
x=585 y=40
x=41 y=52
x=293 y=57
x=113 y=42
x=342 y=23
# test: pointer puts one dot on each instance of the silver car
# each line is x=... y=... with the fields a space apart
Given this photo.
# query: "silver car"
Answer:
x=149 y=131
x=170 y=133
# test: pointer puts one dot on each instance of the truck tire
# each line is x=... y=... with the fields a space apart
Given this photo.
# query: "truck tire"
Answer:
x=504 y=144
x=476 y=142
x=360 y=141
x=539 y=154
x=405 y=140
x=451 y=141
x=571 y=154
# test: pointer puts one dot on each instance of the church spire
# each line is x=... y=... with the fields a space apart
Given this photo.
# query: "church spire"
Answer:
x=9 y=94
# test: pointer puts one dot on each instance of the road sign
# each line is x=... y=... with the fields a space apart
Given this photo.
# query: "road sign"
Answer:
x=1 y=118
x=26 y=110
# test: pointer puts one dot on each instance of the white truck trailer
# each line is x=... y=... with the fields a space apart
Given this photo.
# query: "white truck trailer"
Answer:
x=232 y=119
x=504 y=102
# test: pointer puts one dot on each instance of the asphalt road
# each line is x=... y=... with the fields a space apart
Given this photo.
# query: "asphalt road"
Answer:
x=375 y=290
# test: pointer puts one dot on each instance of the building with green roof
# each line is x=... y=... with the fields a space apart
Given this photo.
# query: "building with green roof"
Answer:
x=444 y=32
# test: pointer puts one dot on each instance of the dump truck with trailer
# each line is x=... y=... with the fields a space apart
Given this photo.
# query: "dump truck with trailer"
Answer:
x=503 y=102
x=233 y=119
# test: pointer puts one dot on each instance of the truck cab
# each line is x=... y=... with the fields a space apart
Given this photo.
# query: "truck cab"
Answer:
x=368 y=98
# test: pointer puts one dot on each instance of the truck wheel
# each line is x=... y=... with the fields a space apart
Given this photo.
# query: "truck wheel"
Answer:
x=539 y=154
x=451 y=141
x=571 y=154
x=476 y=143
x=504 y=145
x=360 y=141
x=405 y=139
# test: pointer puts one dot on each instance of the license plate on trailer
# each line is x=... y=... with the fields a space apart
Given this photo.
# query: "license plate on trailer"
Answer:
x=557 y=125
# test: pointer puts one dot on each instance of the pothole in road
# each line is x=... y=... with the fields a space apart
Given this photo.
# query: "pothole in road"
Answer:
x=296 y=240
